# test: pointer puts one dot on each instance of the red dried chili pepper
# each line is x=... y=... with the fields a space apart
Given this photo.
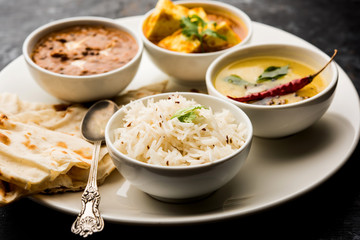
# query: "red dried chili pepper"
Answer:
x=283 y=89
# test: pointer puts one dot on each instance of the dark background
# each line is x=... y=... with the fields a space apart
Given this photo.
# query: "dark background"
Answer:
x=331 y=211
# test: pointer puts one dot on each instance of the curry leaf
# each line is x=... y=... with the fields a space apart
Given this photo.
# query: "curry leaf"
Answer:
x=237 y=80
x=273 y=73
x=187 y=115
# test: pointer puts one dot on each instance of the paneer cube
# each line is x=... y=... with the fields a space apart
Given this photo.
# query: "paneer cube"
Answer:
x=199 y=11
x=180 y=43
x=224 y=29
x=164 y=21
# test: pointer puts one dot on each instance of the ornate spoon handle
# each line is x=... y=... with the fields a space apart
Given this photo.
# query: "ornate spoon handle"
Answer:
x=89 y=219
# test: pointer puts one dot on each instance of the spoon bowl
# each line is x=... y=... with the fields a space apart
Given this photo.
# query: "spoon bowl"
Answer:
x=94 y=123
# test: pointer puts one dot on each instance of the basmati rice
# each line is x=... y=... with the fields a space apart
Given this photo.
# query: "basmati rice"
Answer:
x=150 y=134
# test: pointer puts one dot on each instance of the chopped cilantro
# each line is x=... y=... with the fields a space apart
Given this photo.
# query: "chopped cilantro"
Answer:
x=187 y=115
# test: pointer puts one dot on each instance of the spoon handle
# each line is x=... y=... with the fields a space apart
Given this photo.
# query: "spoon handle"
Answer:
x=89 y=219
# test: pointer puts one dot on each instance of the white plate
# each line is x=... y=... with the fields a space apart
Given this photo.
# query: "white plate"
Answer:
x=276 y=170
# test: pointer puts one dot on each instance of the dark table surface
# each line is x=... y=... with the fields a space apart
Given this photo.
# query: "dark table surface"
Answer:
x=331 y=211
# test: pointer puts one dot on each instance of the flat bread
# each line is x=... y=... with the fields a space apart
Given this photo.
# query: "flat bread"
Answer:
x=41 y=148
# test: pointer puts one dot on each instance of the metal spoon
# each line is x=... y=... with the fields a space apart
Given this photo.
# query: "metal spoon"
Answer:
x=93 y=125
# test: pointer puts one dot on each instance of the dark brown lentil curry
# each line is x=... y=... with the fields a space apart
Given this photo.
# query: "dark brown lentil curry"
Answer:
x=84 y=50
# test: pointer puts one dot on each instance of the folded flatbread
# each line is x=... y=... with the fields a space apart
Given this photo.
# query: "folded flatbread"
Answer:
x=41 y=148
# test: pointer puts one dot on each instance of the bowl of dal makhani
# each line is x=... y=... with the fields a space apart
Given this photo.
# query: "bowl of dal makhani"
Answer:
x=182 y=38
x=283 y=88
x=179 y=146
x=81 y=59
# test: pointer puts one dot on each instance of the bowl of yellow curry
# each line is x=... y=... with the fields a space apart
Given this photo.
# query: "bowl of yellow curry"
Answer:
x=283 y=88
x=182 y=38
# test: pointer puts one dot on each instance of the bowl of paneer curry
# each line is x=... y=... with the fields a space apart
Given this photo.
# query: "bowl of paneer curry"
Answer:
x=182 y=38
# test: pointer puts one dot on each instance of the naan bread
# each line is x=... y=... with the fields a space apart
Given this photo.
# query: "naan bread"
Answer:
x=41 y=148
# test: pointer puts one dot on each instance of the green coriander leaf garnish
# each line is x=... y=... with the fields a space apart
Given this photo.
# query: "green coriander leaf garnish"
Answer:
x=187 y=115
x=194 y=26
x=190 y=25
x=212 y=33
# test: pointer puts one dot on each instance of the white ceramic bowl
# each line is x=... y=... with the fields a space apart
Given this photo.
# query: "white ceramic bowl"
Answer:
x=180 y=183
x=81 y=88
x=189 y=67
x=280 y=120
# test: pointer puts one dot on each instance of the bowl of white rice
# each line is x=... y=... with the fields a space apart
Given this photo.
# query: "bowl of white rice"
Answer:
x=179 y=146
